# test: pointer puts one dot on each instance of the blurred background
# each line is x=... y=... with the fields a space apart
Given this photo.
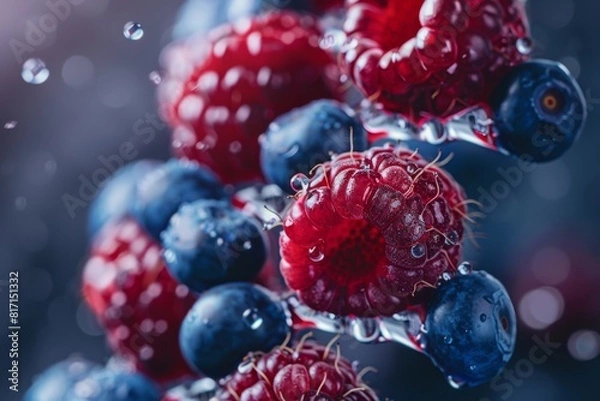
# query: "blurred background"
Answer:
x=539 y=233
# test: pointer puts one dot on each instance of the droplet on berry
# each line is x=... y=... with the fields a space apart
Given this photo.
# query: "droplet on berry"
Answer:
x=35 y=71
x=464 y=268
x=524 y=46
x=133 y=30
x=299 y=182
x=252 y=318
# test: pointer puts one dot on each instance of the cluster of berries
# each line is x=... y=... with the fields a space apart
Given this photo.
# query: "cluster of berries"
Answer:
x=180 y=273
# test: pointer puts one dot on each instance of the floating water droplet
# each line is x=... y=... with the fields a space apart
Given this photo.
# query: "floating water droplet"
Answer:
x=524 y=46
x=417 y=251
x=448 y=340
x=252 y=318
x=483 y=317
x=133 y=30
x=50 y=167
x=464 y=268
x=155 y=77
x=455 y=383
x=35 y=71
x=316 y=254
x=299 y=182
x=220 y=241
x=20 y=203
x=446 y=276
x=10 y=125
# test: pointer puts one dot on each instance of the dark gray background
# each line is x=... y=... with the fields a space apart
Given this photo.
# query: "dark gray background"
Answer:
x=62 y=131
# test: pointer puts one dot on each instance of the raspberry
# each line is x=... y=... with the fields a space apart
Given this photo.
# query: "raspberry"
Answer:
x=240 y=80
x=128 y=287
x=434 y=56
x=370 y=231
x=311 y=372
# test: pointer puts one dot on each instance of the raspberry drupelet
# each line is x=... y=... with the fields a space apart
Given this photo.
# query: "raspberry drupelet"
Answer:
x=370 y=230
x=432 y=57
x=310 y=372
x=222 y=93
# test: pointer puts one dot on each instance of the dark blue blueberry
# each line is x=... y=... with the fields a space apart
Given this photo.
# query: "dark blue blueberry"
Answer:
x=200 y=16
x=539 y=110
x=229 y=321
x=116 y=199
x=470 y=329
x=54 y=383
x=166 y=188
x=109 y=385
x=305 y=137
x=209 y=242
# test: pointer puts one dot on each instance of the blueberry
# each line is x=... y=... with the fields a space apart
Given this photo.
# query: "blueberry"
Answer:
x=305 y=137
x=539 y=110
x=470 y=329
x=109 y=385
x=209 y=242
x=229 y=321
x=56 y=381
x=166 y=188
x=116 y=199
x=200 y=16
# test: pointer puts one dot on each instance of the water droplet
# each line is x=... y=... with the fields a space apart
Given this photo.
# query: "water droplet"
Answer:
x=455 y=383
x=35 y=71
x=448 y=340
x=155 y=77
x=524 y=46
x=411 y=168
x=483 y=317
x=50 y=167
x=464 y=268
x=133 y=30
x=235 y=147
x=220 y=241
x=20 y=203
x=247 y=245
x=299 y=182
x=452 y=238
x=252 y=318
x=146 y=352
x=472 y=368
x=10 y=125
x=316 y=254
x=446 y=276
x=417 y=251
x=423 y=329
x=245 y=366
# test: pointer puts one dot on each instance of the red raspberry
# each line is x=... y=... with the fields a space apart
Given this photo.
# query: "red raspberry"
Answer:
x=246 y=75
x=311 y=372
x=370 y=231
x=434 y=56
x=127 y=286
